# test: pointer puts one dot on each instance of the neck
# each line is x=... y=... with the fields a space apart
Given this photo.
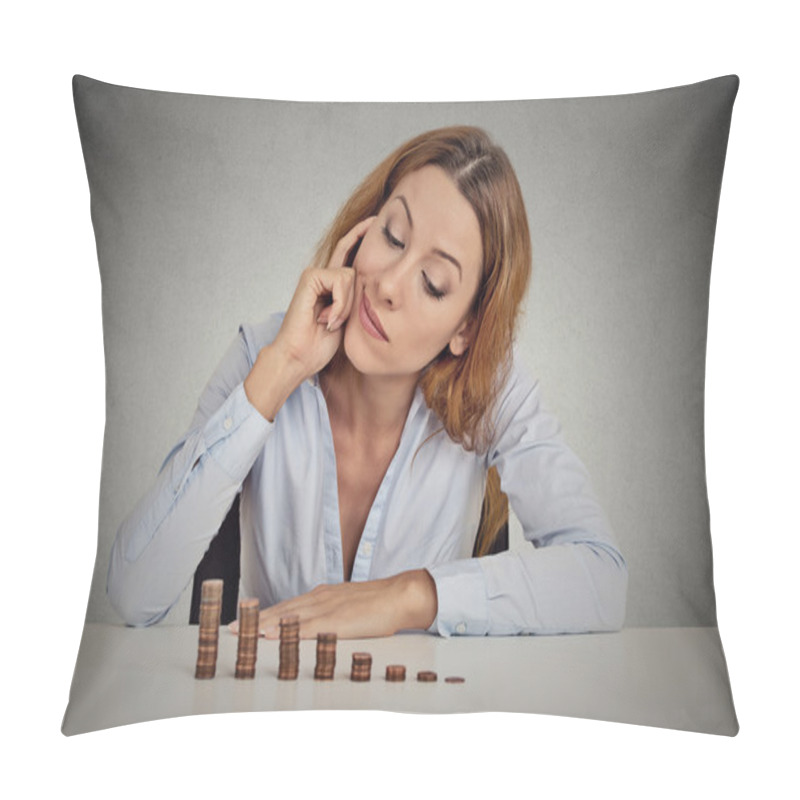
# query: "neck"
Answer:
x=366 y=404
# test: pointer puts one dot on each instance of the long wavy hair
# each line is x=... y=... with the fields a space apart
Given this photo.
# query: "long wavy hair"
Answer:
x=462 y=390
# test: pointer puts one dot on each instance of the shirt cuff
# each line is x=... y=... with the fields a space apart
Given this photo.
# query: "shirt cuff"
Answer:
x=235 y=434
x=462 y=599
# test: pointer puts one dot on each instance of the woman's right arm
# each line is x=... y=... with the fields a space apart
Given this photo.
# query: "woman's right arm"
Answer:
x=161 y=542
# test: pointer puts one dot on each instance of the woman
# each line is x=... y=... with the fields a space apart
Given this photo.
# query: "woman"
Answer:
x=369 y=429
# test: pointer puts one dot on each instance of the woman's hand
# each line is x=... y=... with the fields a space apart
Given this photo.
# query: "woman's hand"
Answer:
x=311 y=331
x=358 y=610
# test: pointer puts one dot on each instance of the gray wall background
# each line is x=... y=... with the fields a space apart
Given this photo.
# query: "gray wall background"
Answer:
x=206 y=209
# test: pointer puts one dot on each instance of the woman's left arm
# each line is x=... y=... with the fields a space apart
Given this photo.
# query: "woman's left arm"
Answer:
x=570 y=576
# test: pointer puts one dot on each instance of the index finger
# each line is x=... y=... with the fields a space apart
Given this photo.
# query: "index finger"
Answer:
x=348 y=242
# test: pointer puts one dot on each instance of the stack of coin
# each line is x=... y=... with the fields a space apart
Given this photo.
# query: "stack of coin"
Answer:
x=395 y=672
x=362 y=666
x=427 y=676
x=248 y=639
x=210 y=608
x=326 y=656
x=289 y=655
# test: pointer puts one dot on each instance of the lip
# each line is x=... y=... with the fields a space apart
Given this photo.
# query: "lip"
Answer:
x=370 y=321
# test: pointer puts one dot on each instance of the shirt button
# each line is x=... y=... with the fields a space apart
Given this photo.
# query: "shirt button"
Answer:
x=461 y=628
x=367 y=548
x=227 y=424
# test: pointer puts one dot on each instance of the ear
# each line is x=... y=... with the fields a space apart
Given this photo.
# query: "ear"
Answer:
x=462 y=338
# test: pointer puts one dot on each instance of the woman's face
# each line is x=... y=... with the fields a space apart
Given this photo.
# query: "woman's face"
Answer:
x=417 y=272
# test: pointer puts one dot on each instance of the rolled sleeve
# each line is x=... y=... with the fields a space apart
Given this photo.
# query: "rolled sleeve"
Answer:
x=462 y=599
x=235 y=435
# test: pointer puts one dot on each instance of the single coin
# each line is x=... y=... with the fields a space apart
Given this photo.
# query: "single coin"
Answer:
x=454 y=679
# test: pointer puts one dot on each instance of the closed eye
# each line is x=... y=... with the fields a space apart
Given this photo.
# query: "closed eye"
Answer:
x=392 y=240
x=432 y=290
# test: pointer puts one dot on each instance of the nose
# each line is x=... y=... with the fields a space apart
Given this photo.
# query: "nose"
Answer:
x=390 y=282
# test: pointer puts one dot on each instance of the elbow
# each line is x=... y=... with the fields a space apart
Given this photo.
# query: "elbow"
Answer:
x=612 y=595
x=133 y=614
x=131 y=609
x=128 y=594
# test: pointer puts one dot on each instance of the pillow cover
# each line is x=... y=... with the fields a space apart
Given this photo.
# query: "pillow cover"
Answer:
x=206 y=209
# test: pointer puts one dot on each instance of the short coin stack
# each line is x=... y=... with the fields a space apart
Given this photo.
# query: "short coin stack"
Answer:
x=395 y=673
x=326 y=656
x=289 y=654
x=362 y=667
x=427 y=676
x=210 y=607
x=248 y=638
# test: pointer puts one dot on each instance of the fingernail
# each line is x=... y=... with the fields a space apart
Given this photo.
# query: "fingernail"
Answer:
x=332 y=323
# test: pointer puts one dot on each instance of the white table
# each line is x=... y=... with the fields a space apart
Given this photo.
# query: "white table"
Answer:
x=666 y=677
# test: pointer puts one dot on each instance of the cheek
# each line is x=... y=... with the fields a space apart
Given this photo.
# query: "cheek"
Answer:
x=430 y=334
x=366 y=254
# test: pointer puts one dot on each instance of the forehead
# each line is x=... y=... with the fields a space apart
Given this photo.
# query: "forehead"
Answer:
x=438 y=210
x=428 y=184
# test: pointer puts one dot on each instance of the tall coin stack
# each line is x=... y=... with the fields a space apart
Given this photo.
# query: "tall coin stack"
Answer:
x=248 y=638
x=362 y=667
x=289 y=654
x=210 y=608
x=326 y=656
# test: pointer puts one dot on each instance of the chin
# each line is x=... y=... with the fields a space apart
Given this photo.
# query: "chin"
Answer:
x=358 y=353
x=365 y=360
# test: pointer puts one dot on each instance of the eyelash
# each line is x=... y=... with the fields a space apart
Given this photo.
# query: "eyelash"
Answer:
x=436 y=294
x=391 y=239
x=433 y=291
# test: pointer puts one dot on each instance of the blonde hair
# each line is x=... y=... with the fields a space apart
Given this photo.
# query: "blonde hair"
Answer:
x=462 y=390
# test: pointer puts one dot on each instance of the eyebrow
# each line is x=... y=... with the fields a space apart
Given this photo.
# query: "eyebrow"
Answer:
x=440 y=253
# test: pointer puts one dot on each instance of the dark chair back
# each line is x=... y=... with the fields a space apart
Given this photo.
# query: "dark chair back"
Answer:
x=221 y=561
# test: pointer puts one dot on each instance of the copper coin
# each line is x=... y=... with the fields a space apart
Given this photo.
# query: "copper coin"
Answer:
x=395 y=672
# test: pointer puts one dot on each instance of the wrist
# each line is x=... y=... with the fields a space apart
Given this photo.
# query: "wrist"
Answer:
x=272 y=379
x=417 y=600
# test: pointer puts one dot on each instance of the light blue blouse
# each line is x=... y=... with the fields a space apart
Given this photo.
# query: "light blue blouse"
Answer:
x=569 y=577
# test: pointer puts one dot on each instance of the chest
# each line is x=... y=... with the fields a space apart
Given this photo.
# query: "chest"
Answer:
x=360 y=471
x=351 y=514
